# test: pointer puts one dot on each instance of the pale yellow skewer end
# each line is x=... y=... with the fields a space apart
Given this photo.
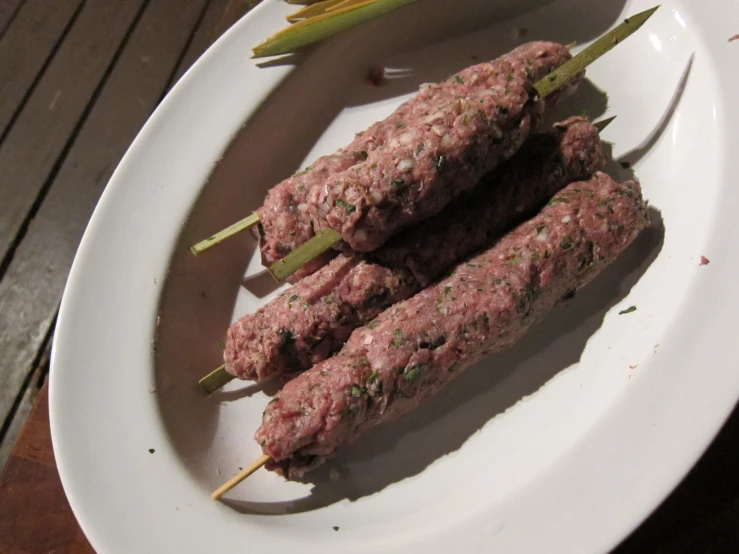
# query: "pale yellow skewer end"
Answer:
x=239 y=477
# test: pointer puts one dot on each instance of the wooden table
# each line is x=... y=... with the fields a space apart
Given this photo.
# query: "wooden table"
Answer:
x=78 y=79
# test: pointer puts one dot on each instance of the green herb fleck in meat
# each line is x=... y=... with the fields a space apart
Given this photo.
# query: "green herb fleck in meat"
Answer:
x=459 y=79
x=372 y=324
x=301 y=173
x=349 y=208
x=440 y=162
x=420 y=148
x=509 y=77
x=412 y=372
x=566 y=243
x=292 y=299
x=364 y=154
x=399 y=182
x=558 y=200
x=447 y=290
x=502 y=110
x=372 y=378
x=357 y=391
x=401 y=125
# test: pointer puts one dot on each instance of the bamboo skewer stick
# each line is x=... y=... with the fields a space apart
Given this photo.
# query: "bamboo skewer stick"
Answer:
x=219 y=376
x=222 y=235
x=312 y=248
x=316 y=245
x=215 y=379
x=239 y=477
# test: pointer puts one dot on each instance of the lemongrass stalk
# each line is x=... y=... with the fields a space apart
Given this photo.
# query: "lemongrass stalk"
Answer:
x=313 y=10
x=315 y=29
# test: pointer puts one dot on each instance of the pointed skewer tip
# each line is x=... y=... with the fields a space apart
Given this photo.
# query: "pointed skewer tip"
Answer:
x=603 y=123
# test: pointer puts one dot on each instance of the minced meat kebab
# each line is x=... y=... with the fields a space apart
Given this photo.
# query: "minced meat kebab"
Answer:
x=458 y=130
x=413 y=349
x=311 y=320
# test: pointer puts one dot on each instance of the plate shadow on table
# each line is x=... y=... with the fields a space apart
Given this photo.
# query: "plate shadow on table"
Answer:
x=198 y=298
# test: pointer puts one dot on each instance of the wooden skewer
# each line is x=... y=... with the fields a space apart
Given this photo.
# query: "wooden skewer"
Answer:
x=239 y=477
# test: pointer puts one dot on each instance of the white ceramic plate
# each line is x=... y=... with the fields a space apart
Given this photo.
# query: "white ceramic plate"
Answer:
x=564 y=443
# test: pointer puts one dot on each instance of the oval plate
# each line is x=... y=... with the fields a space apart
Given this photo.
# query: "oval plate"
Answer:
x=563 y=443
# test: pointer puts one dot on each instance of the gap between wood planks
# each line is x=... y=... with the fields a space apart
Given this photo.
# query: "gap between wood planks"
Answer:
x=27 y=50
x=36 y=275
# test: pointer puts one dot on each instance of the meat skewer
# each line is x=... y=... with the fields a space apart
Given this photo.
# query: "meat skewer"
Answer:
x=319 y=312
x=387 y=369
x=284 y=223
x=359 y=210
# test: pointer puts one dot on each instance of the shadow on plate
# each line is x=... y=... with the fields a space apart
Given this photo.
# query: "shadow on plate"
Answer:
x=198 y=298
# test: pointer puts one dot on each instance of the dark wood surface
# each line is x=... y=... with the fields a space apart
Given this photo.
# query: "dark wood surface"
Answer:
x=78 y=79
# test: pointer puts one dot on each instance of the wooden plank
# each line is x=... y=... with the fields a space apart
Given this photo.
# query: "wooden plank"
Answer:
x=31 y=289
x=204 y=35
x=8 y=12
x=48 y=121
x=26 y=48
x=15 y=425
x=34 y=513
